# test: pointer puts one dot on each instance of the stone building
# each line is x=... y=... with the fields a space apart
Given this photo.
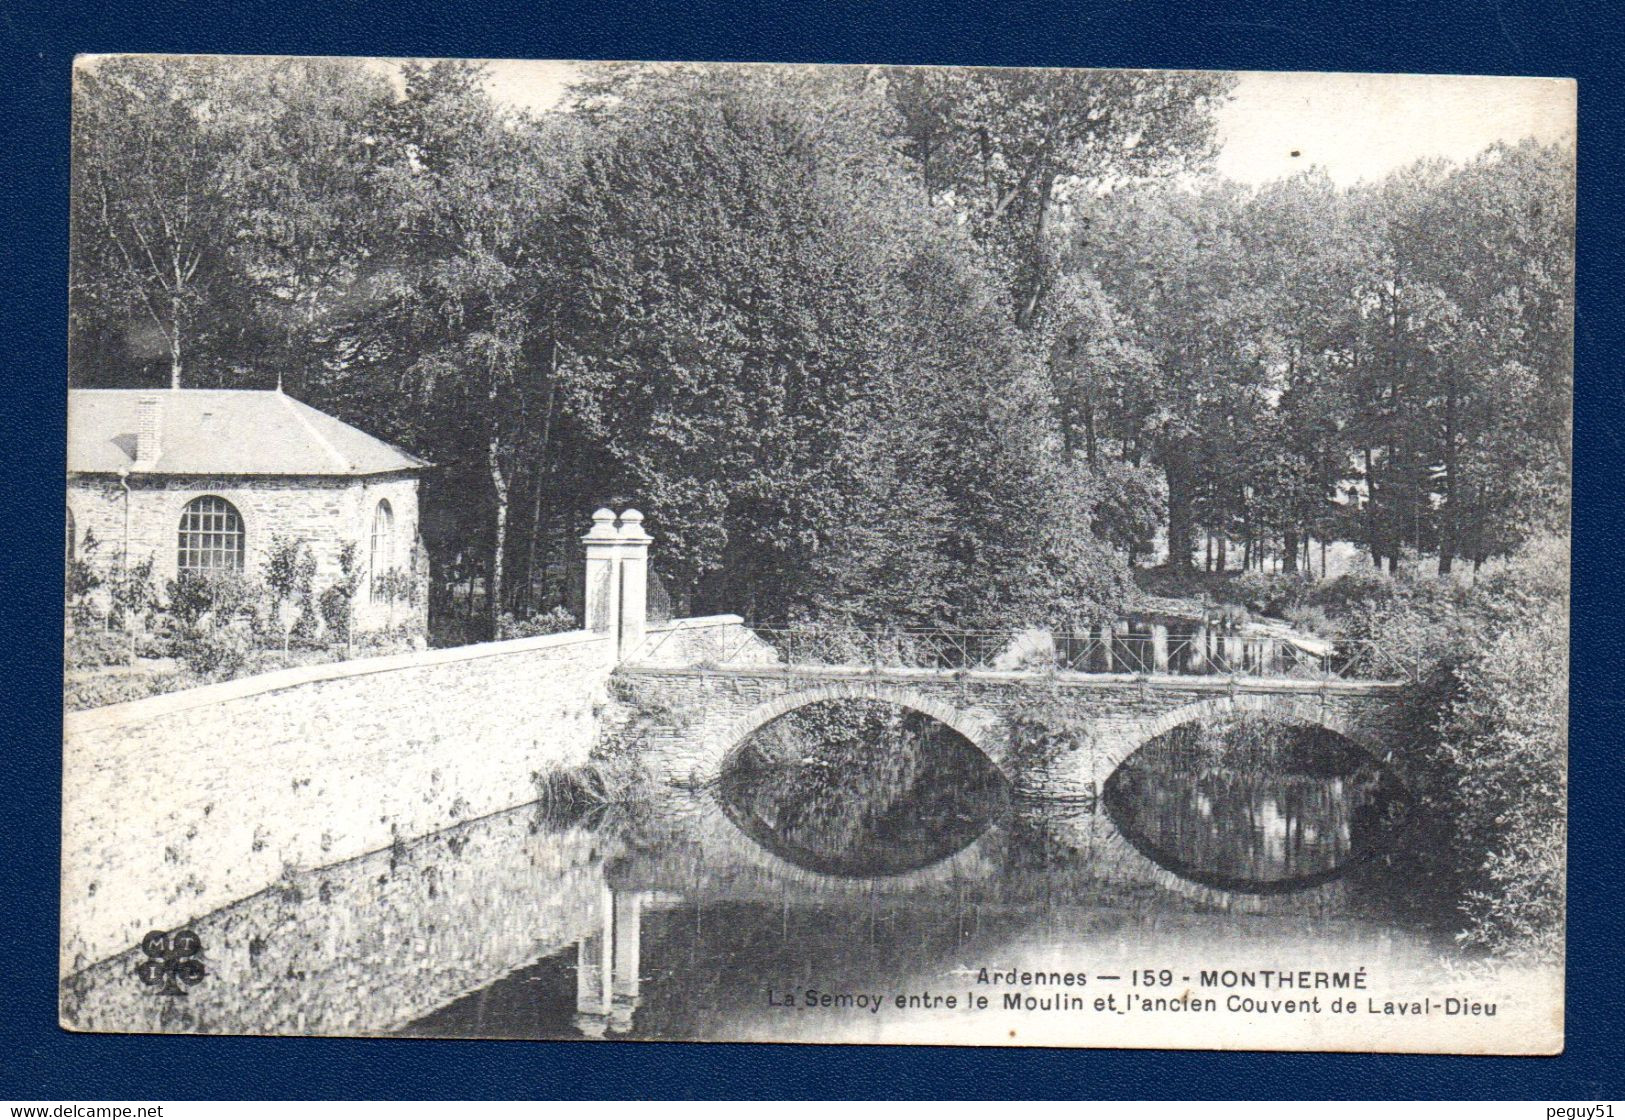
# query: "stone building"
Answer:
x=206 y=480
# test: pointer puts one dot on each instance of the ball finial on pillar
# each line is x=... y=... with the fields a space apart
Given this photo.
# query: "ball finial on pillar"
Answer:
x=603 y=526
x=632 y=527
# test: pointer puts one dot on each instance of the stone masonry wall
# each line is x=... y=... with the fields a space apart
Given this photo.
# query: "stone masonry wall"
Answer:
x=176 y=805
x=369 y=945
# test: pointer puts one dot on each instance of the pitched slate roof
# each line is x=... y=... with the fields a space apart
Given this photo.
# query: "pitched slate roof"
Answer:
x=222 y=431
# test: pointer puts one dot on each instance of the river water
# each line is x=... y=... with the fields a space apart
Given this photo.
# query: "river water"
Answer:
x=855 y=866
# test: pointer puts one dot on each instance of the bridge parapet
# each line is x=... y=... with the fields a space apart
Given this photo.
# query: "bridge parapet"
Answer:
x=1108 y=650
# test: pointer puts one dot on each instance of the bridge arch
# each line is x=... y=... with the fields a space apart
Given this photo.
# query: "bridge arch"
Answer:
x=1307 y=709
x=982 y=729
x=1304 y=710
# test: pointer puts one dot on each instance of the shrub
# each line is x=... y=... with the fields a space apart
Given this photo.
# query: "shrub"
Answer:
x=1488 y=721
x=334 y=605
x=81 y=577
x=84 y=613
x=1352 y=589
x=395 y=585
x=290 y=577
x=447 y=630
x=116 y=688
x=214 y=597
x=132 y=593
x=1504 y=739
x=393 y=639
x=1311 y=620
x=336 y=602
x=556 y=620
x=1273 y=593
x=93 y=648
x=219 y=653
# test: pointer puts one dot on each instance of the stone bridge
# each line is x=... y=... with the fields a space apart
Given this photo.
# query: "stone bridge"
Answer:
x=693 y=719
x=697 y=692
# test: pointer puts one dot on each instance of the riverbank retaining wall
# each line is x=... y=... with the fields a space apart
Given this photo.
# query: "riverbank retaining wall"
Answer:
x=177 y=805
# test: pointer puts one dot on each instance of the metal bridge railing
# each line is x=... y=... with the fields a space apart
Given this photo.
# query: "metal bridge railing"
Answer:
x=1213 y=653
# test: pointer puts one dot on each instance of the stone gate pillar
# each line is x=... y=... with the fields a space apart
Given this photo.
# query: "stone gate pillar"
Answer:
x=634 y=608
x=617 y=591
x=603 y=599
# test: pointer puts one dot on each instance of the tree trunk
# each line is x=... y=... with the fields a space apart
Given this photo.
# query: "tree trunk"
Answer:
x=1027 y=307
x=1373 y=527
x=540 y=454
x=1289 y=551
x=1179 y=514
x=499 y=490
x=1447 y=519
x=175 y=341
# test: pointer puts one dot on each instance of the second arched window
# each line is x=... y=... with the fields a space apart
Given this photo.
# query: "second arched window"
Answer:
x=382 y=558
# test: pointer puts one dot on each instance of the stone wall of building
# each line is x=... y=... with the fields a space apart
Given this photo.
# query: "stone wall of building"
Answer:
x=179 y=804
x=325 y=513
x=404 y=552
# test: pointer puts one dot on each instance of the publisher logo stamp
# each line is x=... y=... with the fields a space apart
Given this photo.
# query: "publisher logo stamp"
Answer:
x=171 y=961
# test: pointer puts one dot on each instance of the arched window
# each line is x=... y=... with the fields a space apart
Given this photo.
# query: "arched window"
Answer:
x=71 y=534
x=382 y=557
x=211 y=537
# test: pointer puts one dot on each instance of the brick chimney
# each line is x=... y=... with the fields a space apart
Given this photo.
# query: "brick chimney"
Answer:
x=149 y=422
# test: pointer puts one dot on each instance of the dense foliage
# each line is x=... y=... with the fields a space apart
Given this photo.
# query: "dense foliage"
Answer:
x=890 y=344
x=1487 y=726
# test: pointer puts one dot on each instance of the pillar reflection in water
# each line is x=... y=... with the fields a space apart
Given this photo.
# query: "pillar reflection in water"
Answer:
x=607 y=965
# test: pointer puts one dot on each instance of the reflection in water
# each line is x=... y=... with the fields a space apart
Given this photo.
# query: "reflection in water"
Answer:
x=1254 y=805
x=848 y=850
x=861 y=788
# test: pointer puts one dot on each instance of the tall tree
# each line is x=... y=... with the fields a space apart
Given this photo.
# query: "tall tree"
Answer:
x=311 y=226
x=1496 y=239
x=728 y=279
x=1306 y=260
x=153 y=139
x=473 y=281
x=1176 y=257
x=1009 y=150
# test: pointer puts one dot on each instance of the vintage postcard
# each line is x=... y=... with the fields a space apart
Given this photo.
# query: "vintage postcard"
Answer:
x=817 y=554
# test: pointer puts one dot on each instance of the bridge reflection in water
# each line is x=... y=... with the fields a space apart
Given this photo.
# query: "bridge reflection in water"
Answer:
x=806 y=862
x=681 y=918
